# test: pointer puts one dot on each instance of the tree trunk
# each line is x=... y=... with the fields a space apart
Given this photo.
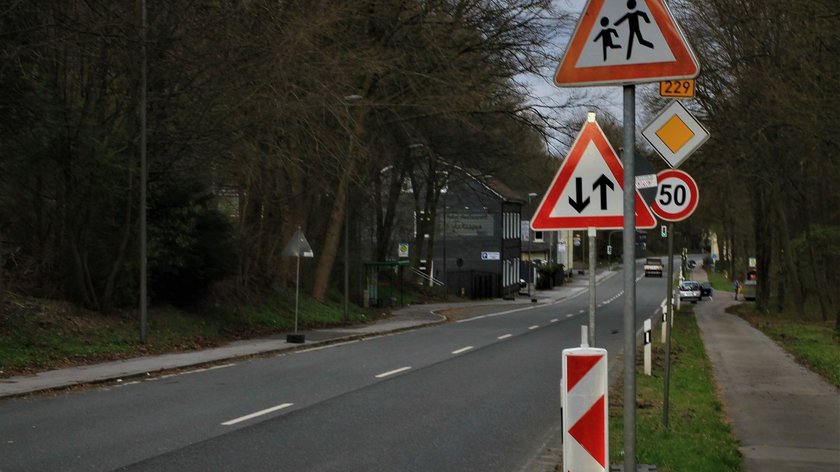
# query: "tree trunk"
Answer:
x=331 y=238
x=108 y=292
x=764 y=244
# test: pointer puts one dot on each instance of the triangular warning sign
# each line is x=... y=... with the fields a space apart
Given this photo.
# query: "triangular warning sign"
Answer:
x=590 y=432
x=625 y=42
x=588 y=190
x=298 y=246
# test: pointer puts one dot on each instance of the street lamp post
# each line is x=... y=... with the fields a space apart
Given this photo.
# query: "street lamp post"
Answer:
x=530 y=256
x=348 y=100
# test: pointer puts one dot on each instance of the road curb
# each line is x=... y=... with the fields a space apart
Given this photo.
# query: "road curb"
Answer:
x=187 y=366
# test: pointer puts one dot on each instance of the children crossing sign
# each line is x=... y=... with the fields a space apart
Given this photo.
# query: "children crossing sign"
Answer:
x=624 y=42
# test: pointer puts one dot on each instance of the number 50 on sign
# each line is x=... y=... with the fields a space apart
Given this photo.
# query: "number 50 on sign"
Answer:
x=676 y=195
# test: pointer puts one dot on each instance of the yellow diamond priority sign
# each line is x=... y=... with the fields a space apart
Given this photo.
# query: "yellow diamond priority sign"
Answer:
x=675 y=134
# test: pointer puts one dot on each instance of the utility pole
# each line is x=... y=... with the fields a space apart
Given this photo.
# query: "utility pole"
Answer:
x=143 y=177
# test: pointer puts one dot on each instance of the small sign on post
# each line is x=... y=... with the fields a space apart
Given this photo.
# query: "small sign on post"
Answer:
x=298 y=247
x=677 y=88
x=675 y=134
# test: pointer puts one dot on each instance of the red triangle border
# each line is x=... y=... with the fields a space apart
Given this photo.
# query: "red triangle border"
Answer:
x=542 y=219
x=685 y=65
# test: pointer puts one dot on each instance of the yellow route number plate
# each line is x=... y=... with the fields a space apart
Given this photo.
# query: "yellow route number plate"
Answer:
x=677 y=88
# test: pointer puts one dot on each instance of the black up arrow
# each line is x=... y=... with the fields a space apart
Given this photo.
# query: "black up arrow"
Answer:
x=580 y=203
x=603 y=182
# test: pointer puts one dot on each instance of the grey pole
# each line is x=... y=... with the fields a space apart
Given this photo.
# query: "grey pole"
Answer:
x=347 y=100
x=530 y=259
x=445 y=278
x=346 y=254
x=143 y=178
x=629 y=237
x=669 y=330
x=530 y=256
x=592 y=287
x=297 y=279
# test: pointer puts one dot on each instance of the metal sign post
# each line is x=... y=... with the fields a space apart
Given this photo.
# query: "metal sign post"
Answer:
x=670 y=317
x=629 y=260
x=591 y=232
x=298 y=246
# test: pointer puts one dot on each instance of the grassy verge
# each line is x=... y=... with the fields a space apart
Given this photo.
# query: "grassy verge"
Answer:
x=37 y=335
x=698 y=439
x=719 y=281
x=814 y=343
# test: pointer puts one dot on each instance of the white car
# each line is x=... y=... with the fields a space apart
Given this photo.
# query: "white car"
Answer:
x=689 y=291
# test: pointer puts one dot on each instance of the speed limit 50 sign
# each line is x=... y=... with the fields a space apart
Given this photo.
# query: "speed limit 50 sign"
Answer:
x=676 y=195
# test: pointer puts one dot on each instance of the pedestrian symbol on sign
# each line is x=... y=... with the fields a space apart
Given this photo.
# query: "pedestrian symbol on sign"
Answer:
x=632 y=19
x=606 y=35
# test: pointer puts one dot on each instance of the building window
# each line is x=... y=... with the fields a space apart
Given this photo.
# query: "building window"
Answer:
x=517 y=226
x=538 y=236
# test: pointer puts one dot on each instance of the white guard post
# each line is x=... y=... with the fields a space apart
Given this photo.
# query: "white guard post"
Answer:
x=585 y=414
x=647 y=334
x=664 y=322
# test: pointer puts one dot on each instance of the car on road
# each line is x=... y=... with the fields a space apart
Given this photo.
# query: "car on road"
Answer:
x=705 y=289
x=689 y=291
x=654 y=267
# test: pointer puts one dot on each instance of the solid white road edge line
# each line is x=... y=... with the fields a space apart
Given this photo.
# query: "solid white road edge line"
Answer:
x=463 y=349
x=254 y=415
x=392 y=372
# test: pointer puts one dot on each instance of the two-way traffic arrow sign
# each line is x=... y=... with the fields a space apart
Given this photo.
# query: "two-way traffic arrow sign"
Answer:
x=591 y=172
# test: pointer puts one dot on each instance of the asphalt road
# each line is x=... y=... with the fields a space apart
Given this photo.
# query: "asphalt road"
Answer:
x=482 y=394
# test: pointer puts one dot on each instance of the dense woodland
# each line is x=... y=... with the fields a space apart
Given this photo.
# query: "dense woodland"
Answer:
x=268 y=115
x=262 y=116
x=768 y=177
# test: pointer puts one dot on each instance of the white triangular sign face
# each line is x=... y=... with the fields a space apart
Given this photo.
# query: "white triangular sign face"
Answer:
x=630 y=41
x=588 y=190
x=298 y=246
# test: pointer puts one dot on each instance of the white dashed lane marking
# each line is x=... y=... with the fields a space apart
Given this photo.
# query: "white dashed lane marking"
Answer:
x=256 y=414
x=392 y=372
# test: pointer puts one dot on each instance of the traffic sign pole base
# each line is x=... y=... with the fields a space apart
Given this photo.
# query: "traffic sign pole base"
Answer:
x=295 y=338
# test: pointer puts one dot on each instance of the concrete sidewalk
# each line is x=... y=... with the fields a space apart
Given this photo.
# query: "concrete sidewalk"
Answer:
x=410 y=317
x=786 y=418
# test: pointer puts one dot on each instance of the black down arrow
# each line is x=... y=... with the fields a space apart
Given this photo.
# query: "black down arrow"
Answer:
x=580 y=203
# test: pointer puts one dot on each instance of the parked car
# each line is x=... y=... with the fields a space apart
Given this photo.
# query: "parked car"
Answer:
x=705 y=289
x=689 y=291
